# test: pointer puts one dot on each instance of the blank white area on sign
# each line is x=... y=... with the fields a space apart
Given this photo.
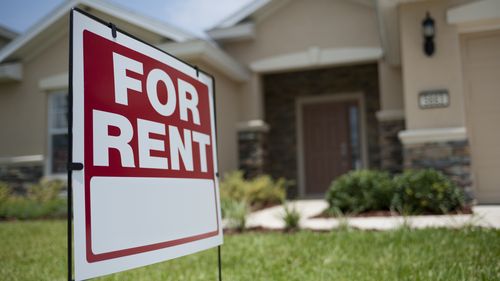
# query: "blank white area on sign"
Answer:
x=128 y=212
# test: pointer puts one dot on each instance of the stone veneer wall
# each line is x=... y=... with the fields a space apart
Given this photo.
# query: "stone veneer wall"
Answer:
x=452 y=158
x=280 y=93
x=252 y=148
x=391 y=149
x=20 y=177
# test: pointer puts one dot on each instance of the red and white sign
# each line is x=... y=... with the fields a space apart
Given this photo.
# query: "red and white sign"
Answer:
x=144 y=129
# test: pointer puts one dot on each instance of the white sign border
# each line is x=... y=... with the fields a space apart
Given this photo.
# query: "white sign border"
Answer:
x=84 y=269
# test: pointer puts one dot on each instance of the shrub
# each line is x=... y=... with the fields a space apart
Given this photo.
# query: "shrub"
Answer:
x=42 y=200
x=258 y=192
x=4 y=192
x=360 y=191
x=426 y=191
x=291 y=217
x=46 y=190
x=235 y=212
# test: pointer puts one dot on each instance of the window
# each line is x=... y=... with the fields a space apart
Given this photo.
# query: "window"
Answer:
x=355 y=137
x=58 y=133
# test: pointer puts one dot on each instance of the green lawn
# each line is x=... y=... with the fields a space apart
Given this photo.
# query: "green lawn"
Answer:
x=36 y=251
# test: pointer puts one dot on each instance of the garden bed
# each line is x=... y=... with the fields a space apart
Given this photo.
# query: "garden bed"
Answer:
x=467 y=210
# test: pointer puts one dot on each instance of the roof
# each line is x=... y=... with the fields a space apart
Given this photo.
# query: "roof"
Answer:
x=7 y=33
x=52 y=23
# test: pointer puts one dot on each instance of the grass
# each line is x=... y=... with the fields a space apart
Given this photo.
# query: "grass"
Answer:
x=36 y=251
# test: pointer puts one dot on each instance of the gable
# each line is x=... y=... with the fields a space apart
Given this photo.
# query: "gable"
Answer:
x=301 y=25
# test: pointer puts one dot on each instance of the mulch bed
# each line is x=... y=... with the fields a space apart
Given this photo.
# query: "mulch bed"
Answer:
x=467 y=210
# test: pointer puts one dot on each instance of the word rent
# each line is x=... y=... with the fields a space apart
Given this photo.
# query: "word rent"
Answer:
x=154 y=139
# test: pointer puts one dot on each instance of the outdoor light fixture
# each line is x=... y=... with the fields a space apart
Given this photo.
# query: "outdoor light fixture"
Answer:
x=428 y=31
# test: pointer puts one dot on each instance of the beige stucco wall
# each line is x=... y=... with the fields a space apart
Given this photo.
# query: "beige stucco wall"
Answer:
x=23 y=105
x=391 y=87
x=441 y=71
x=299 y=26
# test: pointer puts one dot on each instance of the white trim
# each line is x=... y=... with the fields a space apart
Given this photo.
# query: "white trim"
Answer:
x=253 y=126
x=475 y=17
x=11 y=72
x=243 y=13
x=61 y=177
x=432 y=135
x=299 y=102
x=240 y=32
x=113 y=10
x=213 y=55
x=476 y=11
x=479 y=27
x=21 y=159
x=55 y=82
x=315 y=57
x=390 y=114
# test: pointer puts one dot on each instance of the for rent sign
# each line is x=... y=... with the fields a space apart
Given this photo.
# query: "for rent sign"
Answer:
x=144 y=129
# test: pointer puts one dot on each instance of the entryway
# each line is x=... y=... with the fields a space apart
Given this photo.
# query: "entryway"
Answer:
x=330 y=137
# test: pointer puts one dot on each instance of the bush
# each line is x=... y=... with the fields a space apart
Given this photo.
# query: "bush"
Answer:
x=4 y=192
x=258 y=192
x=426 y=191
x=42 y=200
x=360 y=191
x=235 y=212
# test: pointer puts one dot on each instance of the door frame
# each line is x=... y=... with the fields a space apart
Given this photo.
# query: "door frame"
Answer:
x=339 y=97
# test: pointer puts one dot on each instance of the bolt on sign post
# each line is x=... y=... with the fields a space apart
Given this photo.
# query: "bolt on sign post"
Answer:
x=143 y=169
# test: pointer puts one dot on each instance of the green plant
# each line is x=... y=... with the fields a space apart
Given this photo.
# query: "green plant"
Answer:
x=257 y=192
x=46 y=190
x=359 y=191
x=4 y=192
x=42 y=200
x=426 y=191
x=235 y=212
x=36 y=250
x=291 y=217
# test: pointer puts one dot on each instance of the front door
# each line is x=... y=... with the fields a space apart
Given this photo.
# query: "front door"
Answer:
x=330 y=142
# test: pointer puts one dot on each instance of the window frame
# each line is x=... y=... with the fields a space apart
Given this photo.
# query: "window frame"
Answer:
x=52 y=131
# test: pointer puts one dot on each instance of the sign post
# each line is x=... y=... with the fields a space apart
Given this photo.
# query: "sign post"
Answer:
x=143 y=169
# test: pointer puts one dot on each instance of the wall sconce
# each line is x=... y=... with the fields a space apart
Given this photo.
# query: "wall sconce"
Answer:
x=428 y=31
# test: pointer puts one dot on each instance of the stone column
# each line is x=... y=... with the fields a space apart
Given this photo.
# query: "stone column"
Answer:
x=391 y=150
x=446 y=150
x=252 y=147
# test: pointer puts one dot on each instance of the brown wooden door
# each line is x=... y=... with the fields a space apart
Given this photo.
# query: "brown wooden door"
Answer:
x=326 y=143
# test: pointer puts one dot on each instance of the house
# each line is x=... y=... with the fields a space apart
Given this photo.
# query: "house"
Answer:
x=306 y=90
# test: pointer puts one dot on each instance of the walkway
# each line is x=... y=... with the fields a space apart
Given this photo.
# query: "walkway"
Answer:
x=485 y=216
